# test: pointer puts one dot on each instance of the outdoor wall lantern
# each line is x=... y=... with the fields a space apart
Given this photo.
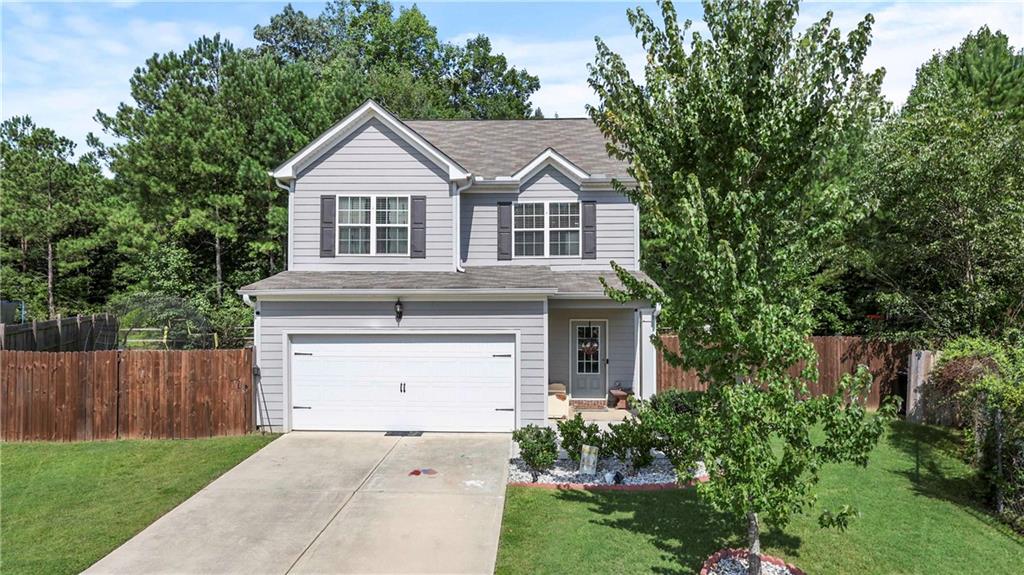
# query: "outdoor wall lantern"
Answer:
x=398 y=310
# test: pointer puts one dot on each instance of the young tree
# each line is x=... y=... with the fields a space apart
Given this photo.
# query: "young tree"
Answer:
x=740 y=146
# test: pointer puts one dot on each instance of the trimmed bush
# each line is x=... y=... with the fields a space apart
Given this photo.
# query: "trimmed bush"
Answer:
x=537 y=447
x=576 y=433
x=632 y=441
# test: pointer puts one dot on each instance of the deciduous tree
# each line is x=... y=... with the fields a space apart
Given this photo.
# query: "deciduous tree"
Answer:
x=740 y=144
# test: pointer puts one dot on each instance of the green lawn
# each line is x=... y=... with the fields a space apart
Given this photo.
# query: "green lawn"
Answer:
x=916 y=518
x=66 y=505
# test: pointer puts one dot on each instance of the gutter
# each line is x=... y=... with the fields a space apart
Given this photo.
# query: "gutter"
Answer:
x=397 y=292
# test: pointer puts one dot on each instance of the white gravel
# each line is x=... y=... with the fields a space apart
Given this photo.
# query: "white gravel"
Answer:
x=564 y=471
x=735 y=566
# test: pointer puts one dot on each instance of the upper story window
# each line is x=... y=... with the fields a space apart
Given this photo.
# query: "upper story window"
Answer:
x=370 y=225
x=542 y=229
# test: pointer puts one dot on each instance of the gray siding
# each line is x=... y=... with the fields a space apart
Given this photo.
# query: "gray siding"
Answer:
x=615 y=224
x=527 y=317
x=621 y=344
x=373 y=159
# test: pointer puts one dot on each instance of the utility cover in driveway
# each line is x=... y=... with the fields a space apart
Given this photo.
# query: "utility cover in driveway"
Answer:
x=403 y=382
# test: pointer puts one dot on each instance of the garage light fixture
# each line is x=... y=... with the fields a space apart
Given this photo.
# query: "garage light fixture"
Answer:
x=398 y=310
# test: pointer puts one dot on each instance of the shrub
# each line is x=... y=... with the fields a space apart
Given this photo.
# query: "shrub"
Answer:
x=632 y=441
x=576 y=433
x=668 y=412
x=537 y=447
x=675 y=401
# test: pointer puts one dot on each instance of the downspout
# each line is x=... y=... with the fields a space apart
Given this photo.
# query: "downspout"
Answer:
x=291 y=197
x=457 y=223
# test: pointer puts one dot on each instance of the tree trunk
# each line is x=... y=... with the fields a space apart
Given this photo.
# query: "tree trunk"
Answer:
x=220 y=269
x=49 y=278
x=24 y=255
x=753 y=545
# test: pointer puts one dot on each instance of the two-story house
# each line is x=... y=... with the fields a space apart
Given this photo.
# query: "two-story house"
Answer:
x=441 y=274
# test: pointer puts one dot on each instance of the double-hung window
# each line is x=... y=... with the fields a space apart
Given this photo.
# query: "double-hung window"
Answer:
x=546 y=229
x=370 y=225
x=564 y=229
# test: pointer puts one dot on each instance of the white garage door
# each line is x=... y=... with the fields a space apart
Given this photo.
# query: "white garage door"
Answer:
x=406 y=382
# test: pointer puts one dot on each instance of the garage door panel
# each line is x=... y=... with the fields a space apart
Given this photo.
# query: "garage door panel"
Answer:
x=450 y=382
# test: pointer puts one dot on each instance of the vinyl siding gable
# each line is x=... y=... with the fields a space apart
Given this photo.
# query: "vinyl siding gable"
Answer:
x=371 y=160
x=616 y=223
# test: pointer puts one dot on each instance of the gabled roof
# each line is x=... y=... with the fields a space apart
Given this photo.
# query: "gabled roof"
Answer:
x=500 y=148
x=369 y=110
x=551 y=157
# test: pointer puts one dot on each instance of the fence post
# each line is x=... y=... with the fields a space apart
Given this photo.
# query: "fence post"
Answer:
x=997 y=422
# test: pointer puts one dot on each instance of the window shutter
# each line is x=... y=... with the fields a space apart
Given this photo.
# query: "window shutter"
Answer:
x=418 y=227
x=589 y=244
x=504 y=230
x=328 y=231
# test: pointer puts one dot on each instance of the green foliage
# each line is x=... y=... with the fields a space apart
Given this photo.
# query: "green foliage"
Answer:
x=741 y=145
x=575 y=433
x=537 y=447
x=758 y=445
x=984 y=67
x=943 y=244
x=984 y=378
x=365 y=49
x=50 y=220
x=632 y=441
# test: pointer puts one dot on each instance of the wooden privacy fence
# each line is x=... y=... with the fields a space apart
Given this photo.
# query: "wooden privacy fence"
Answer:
x=837 y=355
x=79 y=333
x=77 y=396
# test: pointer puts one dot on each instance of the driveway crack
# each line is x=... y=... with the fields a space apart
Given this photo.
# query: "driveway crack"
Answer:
x=343 y=505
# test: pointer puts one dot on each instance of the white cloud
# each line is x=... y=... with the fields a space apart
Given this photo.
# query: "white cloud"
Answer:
x=905 y=35
x=61 y=66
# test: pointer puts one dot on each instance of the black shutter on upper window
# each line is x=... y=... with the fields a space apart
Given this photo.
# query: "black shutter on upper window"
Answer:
x=504 y=230
x=418 y=227
x=328 y=229
x=589 y=243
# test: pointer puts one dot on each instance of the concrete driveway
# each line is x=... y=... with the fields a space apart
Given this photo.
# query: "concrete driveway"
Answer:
x=337 y=503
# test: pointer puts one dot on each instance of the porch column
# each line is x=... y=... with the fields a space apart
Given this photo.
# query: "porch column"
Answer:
x=648 y=355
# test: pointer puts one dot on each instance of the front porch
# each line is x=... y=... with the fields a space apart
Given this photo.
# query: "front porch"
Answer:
x=596 y=347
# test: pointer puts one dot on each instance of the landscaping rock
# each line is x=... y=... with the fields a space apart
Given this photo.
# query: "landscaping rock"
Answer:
x=734 y=562
x=738 y=566
x=565 y=471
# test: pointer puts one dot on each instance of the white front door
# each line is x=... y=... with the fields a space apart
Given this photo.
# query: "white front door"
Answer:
x=403 y=382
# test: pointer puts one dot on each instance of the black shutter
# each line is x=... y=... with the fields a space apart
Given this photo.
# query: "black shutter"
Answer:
x=504 y=230
x=418 y=227
x=328 y=230
x=589 y=244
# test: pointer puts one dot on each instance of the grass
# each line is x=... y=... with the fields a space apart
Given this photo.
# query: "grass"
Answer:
x=919 y=506
x=66 y=505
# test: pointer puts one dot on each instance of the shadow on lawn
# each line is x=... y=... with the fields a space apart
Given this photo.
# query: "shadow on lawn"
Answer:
x=677 y=522
x=930 y=451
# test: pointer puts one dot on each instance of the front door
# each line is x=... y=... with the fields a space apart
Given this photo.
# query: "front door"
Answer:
x=588 y=367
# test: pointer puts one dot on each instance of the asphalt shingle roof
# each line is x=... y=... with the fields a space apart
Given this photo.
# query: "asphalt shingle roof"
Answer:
x=492 y=148
x=474 y=278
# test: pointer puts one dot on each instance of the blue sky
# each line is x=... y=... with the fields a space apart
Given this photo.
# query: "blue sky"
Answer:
x=63 y=61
